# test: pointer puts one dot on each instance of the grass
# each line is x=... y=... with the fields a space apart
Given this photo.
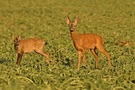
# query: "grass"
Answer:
x=114 y=20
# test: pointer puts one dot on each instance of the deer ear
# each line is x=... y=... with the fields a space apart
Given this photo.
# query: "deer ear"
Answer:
x=75 y=20
x=68 y=20
x=12 y=36
x=19 y=37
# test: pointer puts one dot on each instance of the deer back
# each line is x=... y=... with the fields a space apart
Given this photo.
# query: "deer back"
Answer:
x=86 y=41
x=29 y=45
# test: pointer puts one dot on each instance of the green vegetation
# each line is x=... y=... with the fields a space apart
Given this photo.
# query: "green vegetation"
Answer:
x=114 y=20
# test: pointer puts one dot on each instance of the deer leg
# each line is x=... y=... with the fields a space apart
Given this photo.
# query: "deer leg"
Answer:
x=44 y=54
x=101 y=49
x=19 y=57
x=47 y=56
x=79 y=58
x=95 y=55
x=84 y=57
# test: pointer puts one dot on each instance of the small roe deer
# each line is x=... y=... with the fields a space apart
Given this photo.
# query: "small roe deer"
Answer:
x=27 y=46
x=82 y=42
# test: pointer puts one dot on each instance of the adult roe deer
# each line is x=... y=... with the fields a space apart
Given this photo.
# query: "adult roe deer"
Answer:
x=27 y=46
x=82 y=42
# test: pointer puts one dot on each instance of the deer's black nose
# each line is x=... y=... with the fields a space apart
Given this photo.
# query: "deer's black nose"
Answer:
x=71 y=30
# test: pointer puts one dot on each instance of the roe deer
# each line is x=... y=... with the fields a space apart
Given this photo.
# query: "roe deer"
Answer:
x=82 y=42
x=27 y=46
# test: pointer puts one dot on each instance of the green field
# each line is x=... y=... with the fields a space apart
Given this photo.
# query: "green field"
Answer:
x=114 y=20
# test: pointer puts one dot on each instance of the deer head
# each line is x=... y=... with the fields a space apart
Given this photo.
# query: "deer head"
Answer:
x=72 y=24
x=16 y=40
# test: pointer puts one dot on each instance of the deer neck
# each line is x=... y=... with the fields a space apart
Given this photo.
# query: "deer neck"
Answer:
x=74 y=36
